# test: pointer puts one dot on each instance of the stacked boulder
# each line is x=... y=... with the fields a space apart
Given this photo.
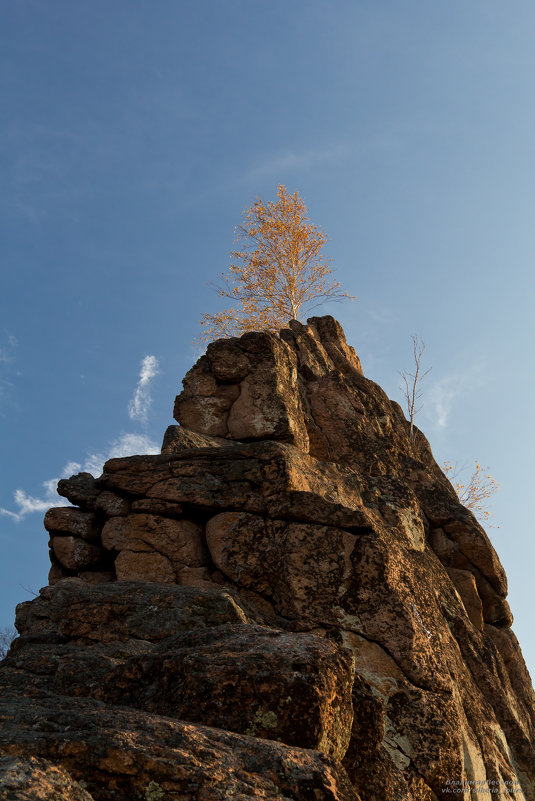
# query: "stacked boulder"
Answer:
x=288 y=602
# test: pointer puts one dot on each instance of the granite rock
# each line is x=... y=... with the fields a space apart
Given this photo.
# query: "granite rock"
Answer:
x=288 y=602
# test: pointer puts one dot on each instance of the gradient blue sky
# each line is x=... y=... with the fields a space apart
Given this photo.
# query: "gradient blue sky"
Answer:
x=133 y=135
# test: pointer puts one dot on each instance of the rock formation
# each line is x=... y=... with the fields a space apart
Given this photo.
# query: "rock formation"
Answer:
x=288 y=603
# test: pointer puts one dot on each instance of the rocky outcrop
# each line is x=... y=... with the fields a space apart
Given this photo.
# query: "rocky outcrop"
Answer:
x=288 y=602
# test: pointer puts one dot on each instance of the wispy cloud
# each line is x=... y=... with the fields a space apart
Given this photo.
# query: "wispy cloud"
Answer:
x=139 y=406
x=440 y=400
x=28 y=504
x=442 y=396
x=125 y=445
x=292 y=161
x=7 y=351
x=7 y=356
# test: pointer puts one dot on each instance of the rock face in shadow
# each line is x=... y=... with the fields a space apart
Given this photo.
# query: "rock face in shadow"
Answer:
x=288 y=603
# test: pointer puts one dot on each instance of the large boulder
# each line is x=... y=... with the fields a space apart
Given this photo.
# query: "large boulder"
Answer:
x=288 y=602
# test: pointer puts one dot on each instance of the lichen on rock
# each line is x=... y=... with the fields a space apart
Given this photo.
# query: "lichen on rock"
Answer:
x=288 y=602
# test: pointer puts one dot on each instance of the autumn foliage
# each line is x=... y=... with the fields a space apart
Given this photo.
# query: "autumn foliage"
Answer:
x=476 y=492
x=276 y=274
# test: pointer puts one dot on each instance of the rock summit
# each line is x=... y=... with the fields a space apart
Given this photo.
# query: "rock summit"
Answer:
x=289 y=603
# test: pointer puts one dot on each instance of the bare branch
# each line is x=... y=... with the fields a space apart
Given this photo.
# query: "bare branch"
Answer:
x=411 y=389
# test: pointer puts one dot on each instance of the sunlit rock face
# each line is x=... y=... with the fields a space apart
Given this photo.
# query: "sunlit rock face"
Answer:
x=288 y=603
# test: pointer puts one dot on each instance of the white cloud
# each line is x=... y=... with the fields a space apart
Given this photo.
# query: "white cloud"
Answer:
x=131 y=444
x=71 y=468
x=7 y=356
x=442 y=396
x=7 y=351
x=125 y=445
x=139 y=406
x=291 y=161
x=28 y=504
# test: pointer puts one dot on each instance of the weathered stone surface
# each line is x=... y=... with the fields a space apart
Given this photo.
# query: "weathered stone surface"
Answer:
x=157 y=506
x=194 y=577
x=64 y=520
x=302 y=568
x=447 y=550
x=229 y=362
x=76 y=554
x=151 y=546
x=80 y=490
x=204 y=404
x=289 y=527
x=314 y=361
x=508 y=648
x=179 y=438
x=97 y=576
x=321 y=347
x=384 y=597
x=328 y=577
x=263 y=400
x=125 y=610
x=495 y=608
x=293 y=688
x=136 y=566
x=31 y=779
x=476 y=546
x=268 y=478
x=269 y=404
x=56 y=573
x=331 y=335
x=111 y=504
x=339 y=417
x=124 y=754
x=465 y=584
x=510 y=713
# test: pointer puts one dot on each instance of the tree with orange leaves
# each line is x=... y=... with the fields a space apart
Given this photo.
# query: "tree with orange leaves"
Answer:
x=278 y=273
x=478 y=490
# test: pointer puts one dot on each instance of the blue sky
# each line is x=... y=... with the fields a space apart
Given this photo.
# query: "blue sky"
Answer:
x=134 y=134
